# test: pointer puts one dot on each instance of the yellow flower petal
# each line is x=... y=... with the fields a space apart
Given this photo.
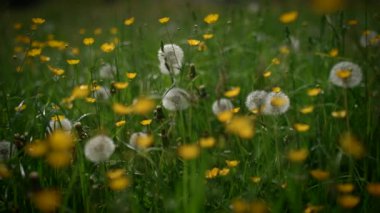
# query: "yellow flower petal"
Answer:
x=235 y=91
x=164 y=20
x=129 y=21
x=211 y=18
x=146 y=122
x=131 y=75
x=301 y=127
x=193 y=42
x=73 y=61
x=120 y=85
x=289 y=17
x=188 y=151
x=120 y=123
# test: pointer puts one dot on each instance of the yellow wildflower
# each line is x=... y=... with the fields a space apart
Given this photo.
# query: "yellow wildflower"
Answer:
x=208 y=36
x=146 y=122
x=211 y=18
x=56 y=70
x=144 y=141
x=129 y=21
x=60 y=140
x=47 y=200
x=373 y=189
x=233 y=92
x=307 y=109
x=119 y=184
x=34 y=52
x=188 y=151
x=212 y=173
x=284 y=50
x=38 y=20
x=241 y=126
x=207 y=142
x=88 y=41
x=256 y=179
x=164 y=20
x=44 y=58
x=131 y=75
x=224 y=171
x=320 y=174
x=73 y=61
x=80 y=91
x=225 y=116
x=121 y=109
x=193 y=42
x=36 y=149
x=348 y=201
x=107 y=47
x=289 y=17
x=120 y=85
x=144 y=105
x=276 y=89
x=345 y=187
x=232 y=163
x=276 y=61
x=115 y=173
x=339 y=114
x=298 y=155
x=301 y=127
x=351 y=145
x=334 y=52
x=59 y=159
x=314 y=91
x=267 y=74
x=120 y=123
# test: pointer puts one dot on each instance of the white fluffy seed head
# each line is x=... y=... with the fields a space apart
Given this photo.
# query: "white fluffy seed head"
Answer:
x=369 y=38
x=346 y=80
x=134 y=138
x=276 y=103
x=62 y=124
x=99 y=148
x=176 y=99
x=7 y=150
x=255 y=100
x=170 y=58
x=102 y=93
x=107 y=71
x=221 y=105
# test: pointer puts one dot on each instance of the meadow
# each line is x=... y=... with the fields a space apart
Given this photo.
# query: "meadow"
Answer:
x=190 y=106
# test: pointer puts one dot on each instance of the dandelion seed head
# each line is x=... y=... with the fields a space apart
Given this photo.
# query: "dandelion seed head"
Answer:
x=170 y=57
x=61 y=123
x=276 y=103
x=222 y=105
x=255 y=100
x=176 y=99
x=102 y=93
x=346 y=74
x=369 y=38
x=7 y=150
x=107 y=71
x=99 y=148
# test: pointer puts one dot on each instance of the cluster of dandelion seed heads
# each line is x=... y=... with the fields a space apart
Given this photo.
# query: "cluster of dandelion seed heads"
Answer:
x=99 y=148
x=351 y=79
x=170 y=57
x=255 y=100
x=176 y=99
x=222 y=105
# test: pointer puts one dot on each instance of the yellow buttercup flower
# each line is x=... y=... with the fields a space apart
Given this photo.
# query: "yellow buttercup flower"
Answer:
x=233 y=92
x=208 y=36
x=34 y=52
x=60 y=140
x=38 y=21
x=351 y=145
x=88 y=41
x=164 y=20
x=131 y=75
x=211 y=18
x=193 y=42
x=56 y=70
x=267 y=74
x=115 y=173
x=188 y=151
x=373 y=189
x=307 y=109
x=120 y=123
x=276 y=61
x=143 y=105
x=129 y=21
x=232 y=163
x=59 y=159
x=320 y=174
x=289 y=17
x=119 y=184
x=334 y=52
x=210 y=174
x=120 y=85
x=146 y=122
x=344 y=74
x=36 y=149
x=73 y=61
x=47 y=200
x=345 y=187
x=121 y=109
x=256 y=179
x=241 y=126
x=348 y=201
x=339 y=114
x=224 y=171
x=301 y=127
x=314 y=91
x=207 y=142
x=225 y=116
x=298 y=155
x=107 y=47
x=80 y=91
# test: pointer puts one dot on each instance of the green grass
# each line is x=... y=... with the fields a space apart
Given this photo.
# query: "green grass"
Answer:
x=243 y=47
